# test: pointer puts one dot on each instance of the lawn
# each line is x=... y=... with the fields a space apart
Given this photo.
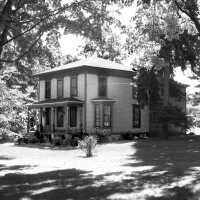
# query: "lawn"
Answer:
x=142 y=169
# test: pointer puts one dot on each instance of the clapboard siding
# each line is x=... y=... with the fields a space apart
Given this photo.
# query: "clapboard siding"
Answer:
x=92 y=92
x=42 y=90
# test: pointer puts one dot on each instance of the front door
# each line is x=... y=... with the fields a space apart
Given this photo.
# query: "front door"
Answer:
x=73 y=116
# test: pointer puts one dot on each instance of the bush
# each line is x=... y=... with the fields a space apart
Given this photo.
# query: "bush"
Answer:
x=7 y=135
x=88 y=145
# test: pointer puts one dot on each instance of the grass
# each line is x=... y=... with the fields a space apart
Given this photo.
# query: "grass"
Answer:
x=143 y=169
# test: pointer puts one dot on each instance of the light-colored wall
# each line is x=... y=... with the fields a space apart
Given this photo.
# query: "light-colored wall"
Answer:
x=119 y=89
x=92 y=92
x=66 y=86
x=42 y=90
x=53 y=88
x=81 y=86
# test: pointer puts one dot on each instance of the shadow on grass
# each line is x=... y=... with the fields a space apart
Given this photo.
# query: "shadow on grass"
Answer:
x=172 y=167
x=46 y=146
x=168 y=162
x=62 y=184
x=15 y=167
x=6 y=158
x=177 y=193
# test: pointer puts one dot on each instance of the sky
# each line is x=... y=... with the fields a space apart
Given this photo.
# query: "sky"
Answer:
x=71 y=43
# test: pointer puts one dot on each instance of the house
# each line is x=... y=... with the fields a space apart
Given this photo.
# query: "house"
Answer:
x=177 y=98
x=93 y=95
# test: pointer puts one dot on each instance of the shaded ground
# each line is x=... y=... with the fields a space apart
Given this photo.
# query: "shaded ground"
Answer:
x=144 y=169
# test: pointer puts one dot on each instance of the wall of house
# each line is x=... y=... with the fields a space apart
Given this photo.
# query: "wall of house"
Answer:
x=66 y=93
x=81 y=86
x=92 y=92
x=66 y=86
x=53 y=88
x=42 y=90
x=119 y=89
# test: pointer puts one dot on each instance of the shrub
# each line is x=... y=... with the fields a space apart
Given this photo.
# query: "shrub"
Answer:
x=88 y=145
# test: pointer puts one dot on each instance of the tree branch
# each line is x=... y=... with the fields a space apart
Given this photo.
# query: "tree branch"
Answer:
x=53 y=13
x=190 y=14
x=22 y=54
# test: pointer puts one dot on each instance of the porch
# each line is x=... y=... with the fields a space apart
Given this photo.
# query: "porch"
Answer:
x=58 y=116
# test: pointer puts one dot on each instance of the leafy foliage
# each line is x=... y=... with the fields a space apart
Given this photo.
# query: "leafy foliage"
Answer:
x=178 y=27
x=174 y=115
x=88 y=145
x=147 y=87
x=29 y=42
x=13 y=107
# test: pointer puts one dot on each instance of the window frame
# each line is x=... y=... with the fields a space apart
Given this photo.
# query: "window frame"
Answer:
x=47 y=92
x=110 y=114
x=62 y=90
x=100 y=85
x=95 y=115
x=70 y=118
x=134 y=123
x=72 y=93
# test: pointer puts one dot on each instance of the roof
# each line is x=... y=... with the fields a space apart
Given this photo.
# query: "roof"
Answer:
x=91 y=62
x=56 y=102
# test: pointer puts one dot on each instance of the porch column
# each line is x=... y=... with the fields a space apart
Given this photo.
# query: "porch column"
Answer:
x=52 y=119
x=67 y=117
x=81 y=118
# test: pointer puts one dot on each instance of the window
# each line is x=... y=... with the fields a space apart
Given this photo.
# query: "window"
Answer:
x=73 y=116
x=102 y=86
x=136 y=116
x=60 y=116
x=74 y=91
x=59 y=88
x=47 y=89
x=97 y=115
x=48 y=115
x=107 y=115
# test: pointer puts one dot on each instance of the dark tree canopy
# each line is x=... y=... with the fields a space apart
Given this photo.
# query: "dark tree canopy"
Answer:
x=23 y=23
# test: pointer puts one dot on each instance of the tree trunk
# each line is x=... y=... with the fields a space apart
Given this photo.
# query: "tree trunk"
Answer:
x=5 y=21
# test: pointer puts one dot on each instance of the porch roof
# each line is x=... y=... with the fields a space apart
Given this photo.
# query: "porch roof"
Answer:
x=56 y=102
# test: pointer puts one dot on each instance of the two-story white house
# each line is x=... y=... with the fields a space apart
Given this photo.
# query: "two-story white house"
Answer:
x=92 y=95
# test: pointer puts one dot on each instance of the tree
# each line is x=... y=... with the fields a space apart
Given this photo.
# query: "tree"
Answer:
x=23 y=24
x=29 y=34
x=156 y=35
x=186 y=43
